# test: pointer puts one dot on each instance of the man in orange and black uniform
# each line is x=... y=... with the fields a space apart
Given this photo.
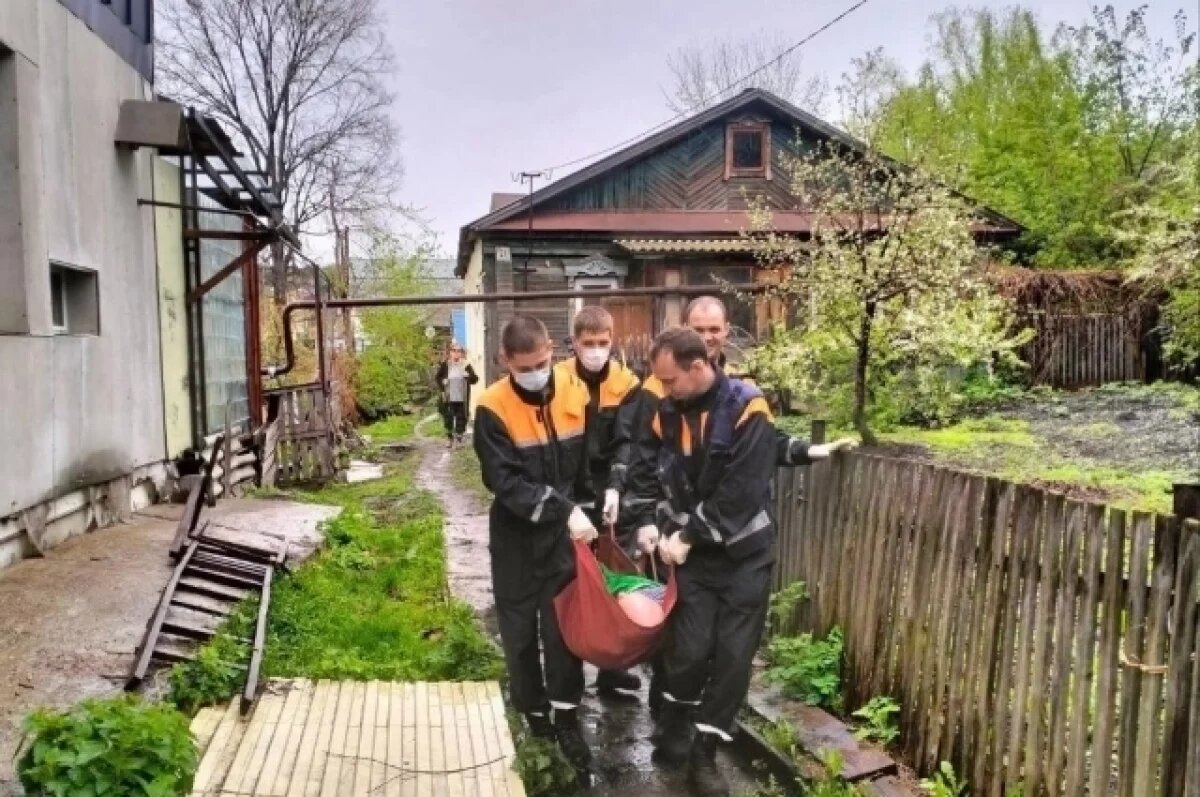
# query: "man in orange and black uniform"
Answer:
x=529 y=436
x=707 y=317
x=711 y=475
x=611 y=414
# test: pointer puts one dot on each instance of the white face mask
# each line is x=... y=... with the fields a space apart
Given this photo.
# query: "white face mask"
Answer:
x=595 y=358
x=533 y=381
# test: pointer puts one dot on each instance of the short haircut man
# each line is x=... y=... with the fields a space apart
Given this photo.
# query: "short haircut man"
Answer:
x=594 y=319
x=705 y=303
x=682 y=343
x=523 y=334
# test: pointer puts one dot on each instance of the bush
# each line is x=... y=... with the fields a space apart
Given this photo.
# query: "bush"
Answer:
x=878 y=721
x=808 y=669
x=117 y=747
x=542 y=768
x=213 y=676
x=784 y=604
x=218 y=670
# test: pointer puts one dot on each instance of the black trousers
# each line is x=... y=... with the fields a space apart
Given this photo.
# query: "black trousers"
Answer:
x=524 y=590
x=454 y=417
x=714 y=631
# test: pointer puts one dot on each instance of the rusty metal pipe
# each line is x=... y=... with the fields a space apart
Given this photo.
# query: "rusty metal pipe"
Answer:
x=272 y=371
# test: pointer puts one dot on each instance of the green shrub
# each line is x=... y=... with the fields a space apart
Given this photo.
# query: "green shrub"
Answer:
x=944 y=783
x=879 y=720
x=808 y=669
x=219 y=668
x=120 y=747
x=542 y=768
x=784 y=603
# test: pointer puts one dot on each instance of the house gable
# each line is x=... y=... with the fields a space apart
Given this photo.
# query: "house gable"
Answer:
x=692 y=173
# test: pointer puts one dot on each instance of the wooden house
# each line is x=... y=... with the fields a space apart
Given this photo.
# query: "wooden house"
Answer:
x=666 y=211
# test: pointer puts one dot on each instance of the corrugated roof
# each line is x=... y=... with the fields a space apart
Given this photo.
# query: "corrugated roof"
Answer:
x=683 y=245
x=677 y=222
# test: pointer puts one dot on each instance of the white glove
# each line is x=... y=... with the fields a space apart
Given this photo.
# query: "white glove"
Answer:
x=647 y=538
x=580 y=527
x=612 y=506
x=673 y=549
x=824 y=450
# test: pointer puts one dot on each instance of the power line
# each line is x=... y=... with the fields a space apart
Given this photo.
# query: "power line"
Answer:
x=706 y=100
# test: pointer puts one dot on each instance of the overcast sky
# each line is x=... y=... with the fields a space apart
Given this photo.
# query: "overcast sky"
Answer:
x=488 y=88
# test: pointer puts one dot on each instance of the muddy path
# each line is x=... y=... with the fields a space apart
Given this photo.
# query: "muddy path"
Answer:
x=618 y=727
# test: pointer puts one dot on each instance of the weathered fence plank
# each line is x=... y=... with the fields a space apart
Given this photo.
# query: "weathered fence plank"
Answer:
x=1035 y=642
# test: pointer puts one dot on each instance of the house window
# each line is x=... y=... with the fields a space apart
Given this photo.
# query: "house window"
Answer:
x=74 y=301
x=748 y=150
x=592 y=284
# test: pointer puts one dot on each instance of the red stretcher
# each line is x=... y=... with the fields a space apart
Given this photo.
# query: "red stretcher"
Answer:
x=592 y=622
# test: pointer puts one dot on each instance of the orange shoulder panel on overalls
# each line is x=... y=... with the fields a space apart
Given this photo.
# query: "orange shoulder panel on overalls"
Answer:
x=520 y=419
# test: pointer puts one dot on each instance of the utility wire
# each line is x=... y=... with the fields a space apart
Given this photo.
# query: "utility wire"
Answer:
x=717 y=93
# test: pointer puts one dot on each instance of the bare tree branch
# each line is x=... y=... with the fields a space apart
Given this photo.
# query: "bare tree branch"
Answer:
x=705 y=75
x=303 y=84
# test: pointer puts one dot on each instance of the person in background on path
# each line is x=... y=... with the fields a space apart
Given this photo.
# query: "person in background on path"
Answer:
x=611 y=414
x=454 y=379
x=529 y=437
x=712 y=481
x=707 y=316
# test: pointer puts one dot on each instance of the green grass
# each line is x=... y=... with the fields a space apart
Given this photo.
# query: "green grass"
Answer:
x=393 y=428
x=375 y=604
x=1008 y=449
x=464 y=470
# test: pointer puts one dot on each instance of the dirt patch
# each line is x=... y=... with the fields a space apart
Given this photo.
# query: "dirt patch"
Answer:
x=1138 y=428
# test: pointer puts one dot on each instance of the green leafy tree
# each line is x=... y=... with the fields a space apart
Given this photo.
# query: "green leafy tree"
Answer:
x=1163 y=236
x=892 y=279
x=393 y=368
x=1058 y=129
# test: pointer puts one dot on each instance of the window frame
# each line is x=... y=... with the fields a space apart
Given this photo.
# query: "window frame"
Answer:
x=78 y=300
x=763 y=129
x=58 y=302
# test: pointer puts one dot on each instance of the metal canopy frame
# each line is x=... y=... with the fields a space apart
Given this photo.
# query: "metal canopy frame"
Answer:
x=210 y=165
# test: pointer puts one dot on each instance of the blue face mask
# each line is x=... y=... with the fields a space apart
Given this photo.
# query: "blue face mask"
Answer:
x=533 y=381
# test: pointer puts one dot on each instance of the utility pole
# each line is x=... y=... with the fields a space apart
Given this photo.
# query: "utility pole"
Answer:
x=529 y=177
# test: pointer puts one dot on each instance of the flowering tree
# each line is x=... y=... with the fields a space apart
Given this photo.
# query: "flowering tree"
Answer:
x=892 y=281
x=1163 y=235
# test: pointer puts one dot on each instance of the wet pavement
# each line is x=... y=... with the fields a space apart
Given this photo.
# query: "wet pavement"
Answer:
x=618 y=726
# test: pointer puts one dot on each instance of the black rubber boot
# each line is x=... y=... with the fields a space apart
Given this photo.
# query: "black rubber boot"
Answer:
x=572 y=744
x=672 y=735
x=706 y=779
x=612 y=680
x=540 y=726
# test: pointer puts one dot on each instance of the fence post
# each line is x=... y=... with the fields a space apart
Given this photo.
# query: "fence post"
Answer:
x=1187 y=500
x=816 y=435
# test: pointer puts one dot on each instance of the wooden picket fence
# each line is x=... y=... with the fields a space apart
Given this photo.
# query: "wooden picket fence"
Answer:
x=300 y=432
x=1087 y=350
x=1042 y=645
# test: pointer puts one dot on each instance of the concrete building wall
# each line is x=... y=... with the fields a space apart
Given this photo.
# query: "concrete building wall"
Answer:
x=80 y=411
x=172 y=299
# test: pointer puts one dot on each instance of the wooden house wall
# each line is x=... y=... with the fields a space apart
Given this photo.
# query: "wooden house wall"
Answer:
x=547 y=275
x=689 y=175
